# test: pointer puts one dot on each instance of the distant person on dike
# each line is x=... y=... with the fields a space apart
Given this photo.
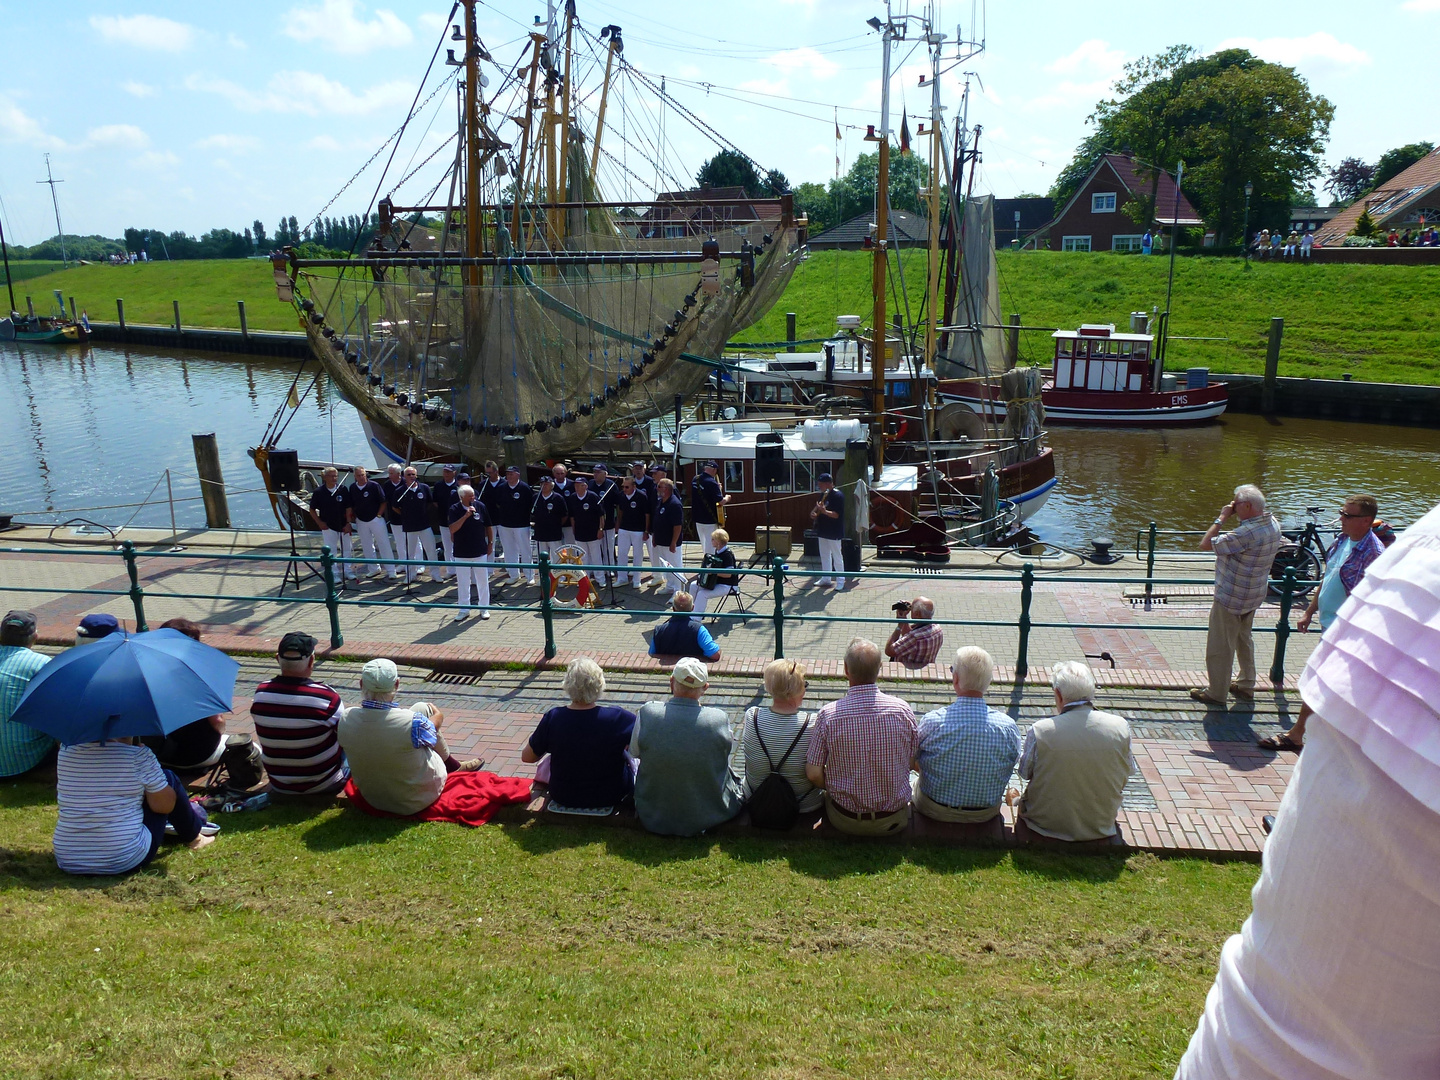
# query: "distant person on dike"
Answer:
x=1243 y=558
x=330 y=510
x=682 y=635
x=1306 y=243
x=1345 y=564
x=915 y=644
x=22 y=748
x=1147 y=243
x=200 y=743
x=1336 y=972
x=583 y=749
x=367 y=515
x=967 y=750
x=295 y=724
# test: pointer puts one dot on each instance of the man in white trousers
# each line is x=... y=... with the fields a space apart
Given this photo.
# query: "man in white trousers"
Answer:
x=666 y=522
x=446 y=494
x=513 y=502
x=634 y=527
x=608 y=492
x=393 y=487
x=829 y=517
x=329 y=507
x=468 y=523
x=367 y=516
x=415 y=502
x=587 y=519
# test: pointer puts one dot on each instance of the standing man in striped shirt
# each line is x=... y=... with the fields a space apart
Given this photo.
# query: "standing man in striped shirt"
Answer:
x=296 y=718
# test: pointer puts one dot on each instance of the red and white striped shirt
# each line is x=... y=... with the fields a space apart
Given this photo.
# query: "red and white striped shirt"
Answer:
x=865 y=742
x=295 y=725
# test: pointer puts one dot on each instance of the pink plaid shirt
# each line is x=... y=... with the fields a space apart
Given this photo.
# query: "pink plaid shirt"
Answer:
x=919 y=646
x=865 y=743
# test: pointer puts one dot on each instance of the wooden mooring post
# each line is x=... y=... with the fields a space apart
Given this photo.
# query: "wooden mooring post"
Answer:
x=120 y=313
x=176 y=304
x=244 y=327
x=1012 y=342
x=212 y=483
x=1272 y=366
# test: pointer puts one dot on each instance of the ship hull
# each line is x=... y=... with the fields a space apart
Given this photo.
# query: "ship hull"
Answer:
x=1105 y=408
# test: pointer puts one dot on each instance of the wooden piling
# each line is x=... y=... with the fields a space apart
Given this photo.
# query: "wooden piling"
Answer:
x=120 y=313
x=176 y=304
x=790 y=331
x=1272 y=366
x=244 y=328
x=212 y=483
x=1012 y=342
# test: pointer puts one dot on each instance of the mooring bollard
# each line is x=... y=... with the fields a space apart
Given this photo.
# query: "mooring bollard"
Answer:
x=332 y=596
x=1022 y=656
x=1282 y=628
x=778 y=572
x=547 y=606
x=244 y=326
x=176 y=304
x=1150 y=563
x=137 y=594
x=120 y=313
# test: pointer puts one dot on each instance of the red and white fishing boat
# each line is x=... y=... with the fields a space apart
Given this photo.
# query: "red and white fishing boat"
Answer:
x=1106 y=378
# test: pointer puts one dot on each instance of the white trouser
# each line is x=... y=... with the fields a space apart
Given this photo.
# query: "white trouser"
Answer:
x=339 y=545
x=704 y=596
x=631 y=550
x=517 y=550
x=473 y=572
x=551 y=548
x=375 y=543
x=832 y=561
x=703 y=531
x=665 y=557
x=419 y=544
x=650 y=548
x=594 y=556
x=447 y=545
x=607 y=550
x=397 y=533
x=567 y=532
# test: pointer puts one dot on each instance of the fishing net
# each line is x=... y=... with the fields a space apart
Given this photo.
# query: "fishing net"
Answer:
x=977 y=349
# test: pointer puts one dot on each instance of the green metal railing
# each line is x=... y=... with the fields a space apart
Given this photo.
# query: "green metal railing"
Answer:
x=777 y=576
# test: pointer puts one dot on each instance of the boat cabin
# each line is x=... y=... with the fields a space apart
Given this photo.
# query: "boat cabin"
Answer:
x=840 y=369
x=1095 y=357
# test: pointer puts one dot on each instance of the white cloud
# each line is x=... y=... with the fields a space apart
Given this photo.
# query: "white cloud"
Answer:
x=144 y=31
x=1094 y=58
x=138 y=89
x=236 y=42
x=1422 y=7
x=126 y=135
x=804 y=61
x=306 y=92
x=432 y=21
x=234 y=144
x=1320 y=50
x=157 y=159
x=339 y=25
x=18 y=126
x=768 y=87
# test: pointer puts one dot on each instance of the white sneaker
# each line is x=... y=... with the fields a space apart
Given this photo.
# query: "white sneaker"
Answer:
x=461 y=616
x=485 y=615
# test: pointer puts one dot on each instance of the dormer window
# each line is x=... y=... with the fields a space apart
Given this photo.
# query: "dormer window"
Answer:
x=1102 y=202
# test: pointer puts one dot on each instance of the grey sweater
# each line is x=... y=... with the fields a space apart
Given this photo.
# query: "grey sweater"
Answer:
x=684 y=785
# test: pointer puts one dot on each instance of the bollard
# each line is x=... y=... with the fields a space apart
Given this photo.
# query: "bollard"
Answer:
x=176 y=304
x=1282 y=628
x=790 y=331
x=1022 y=656
x=244 y=326
x=137 y=594
x=1012 y=342
x=778 y=571
x=120 y=314
x=547 y=606
x=332 y=596
x=1150 y=563
x=212 y=482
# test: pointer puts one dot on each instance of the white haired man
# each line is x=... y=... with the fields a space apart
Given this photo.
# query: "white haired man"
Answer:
x=1077 y=762
x=330 y=509
x=1243 y=558
x=967 y=749
x=367 y=516
x=393 y=486
x=472 y=537
x=916 y=644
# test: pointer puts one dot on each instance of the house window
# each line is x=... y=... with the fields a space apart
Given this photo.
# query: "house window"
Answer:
x=1075 y=243
x=1130 y=242
x=1102 y=202
x=734 y=473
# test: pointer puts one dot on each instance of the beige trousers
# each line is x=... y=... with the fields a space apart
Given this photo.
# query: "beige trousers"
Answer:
x=936 y=812
x=878 y=826
x=1229 y=638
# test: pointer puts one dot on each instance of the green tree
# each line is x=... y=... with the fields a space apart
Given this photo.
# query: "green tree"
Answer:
x=1393 y=162
x=819 y=204
x=729 y=168
x=1365 y=224
x=908 y=173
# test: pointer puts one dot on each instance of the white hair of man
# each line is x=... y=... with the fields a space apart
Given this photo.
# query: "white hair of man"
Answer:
x=393 y=470
x=973 y=669
x=584 y=681
x=682 y=601
x=295 y=666
x=330 y=471
x=1249 y=493
x=463 y=488
x=1073 y=681
x=923 y=608
x=862 y=661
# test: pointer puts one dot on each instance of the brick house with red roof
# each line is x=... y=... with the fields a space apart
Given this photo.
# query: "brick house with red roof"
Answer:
x=1095 y=219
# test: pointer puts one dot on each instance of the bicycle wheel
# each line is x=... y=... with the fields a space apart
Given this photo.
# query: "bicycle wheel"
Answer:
x=1303 y=561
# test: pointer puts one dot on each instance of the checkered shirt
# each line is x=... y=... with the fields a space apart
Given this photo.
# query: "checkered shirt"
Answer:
x=21 y=747
x=865 y=743
x=919 y=646
x=967 y=753
x=1243 y=557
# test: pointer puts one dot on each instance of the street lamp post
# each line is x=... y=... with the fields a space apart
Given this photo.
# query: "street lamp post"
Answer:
x=1245 y=231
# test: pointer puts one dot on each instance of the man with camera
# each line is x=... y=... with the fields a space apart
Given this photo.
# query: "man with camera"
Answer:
x=917 y=643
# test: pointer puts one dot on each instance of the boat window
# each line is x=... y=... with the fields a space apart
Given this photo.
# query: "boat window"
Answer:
x=1142 y=350
x=734 y=473
x=786 y=395
x=805 y=473
x=1065 y=347
x=1125 y=350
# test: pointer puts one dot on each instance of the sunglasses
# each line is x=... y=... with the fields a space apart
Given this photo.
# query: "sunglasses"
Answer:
x=1348 y=517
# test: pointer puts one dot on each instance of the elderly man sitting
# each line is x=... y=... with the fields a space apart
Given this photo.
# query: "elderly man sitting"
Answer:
x=1077 y=762
x=686 y=783
x=862 y=749
x=915 y=644
x=398 y=758
x=682 y=635
x=967 y=749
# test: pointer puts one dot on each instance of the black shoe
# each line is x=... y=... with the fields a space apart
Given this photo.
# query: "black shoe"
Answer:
x=1268 y=823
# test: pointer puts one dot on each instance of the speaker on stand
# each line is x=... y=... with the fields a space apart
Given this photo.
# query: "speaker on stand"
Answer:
x=284 y=466
x=769 y=470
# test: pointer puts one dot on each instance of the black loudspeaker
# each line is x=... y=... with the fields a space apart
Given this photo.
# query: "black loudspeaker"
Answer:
x=769 y=460
x=285 y=469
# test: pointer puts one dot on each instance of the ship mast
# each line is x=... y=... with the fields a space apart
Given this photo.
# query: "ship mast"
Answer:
x=932 y=295
x=474 y=227
x=881 y=262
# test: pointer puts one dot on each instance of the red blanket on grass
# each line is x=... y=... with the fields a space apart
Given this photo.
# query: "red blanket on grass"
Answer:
x=468 y=798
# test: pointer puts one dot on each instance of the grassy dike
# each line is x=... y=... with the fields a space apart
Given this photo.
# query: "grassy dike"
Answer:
x=1377 y=323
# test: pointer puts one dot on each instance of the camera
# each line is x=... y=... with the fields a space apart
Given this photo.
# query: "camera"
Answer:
x=902 y=608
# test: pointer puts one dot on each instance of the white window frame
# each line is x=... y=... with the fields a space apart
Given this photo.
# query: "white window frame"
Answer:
x=1096 y=196
x=1133 y=242
x=1072 y=243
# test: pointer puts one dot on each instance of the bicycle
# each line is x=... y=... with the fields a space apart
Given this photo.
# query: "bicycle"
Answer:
x=1304 y=552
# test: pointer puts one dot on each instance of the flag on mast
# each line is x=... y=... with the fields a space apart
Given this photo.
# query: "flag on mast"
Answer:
x=904 y=134
x=838 y=140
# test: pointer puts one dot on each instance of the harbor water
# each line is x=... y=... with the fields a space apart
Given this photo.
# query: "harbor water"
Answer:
x=83 y=428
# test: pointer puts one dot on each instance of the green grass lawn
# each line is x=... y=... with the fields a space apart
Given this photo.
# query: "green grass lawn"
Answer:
x=24 y=270
x=322 y=943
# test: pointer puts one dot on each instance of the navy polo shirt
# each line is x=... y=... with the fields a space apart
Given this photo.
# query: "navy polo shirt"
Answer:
x=668 y=513
x=392 y=490
x=512 y=505
x=446 y=495
x=828 y=528
x=366 y=501
x=634 y=509
x=415 y=507
x=609 y=493
x=549 y=516
x=705 y=496
x=586 y=515
x=646 y=485
x=487 y=491
x=469 y=539
x=329 y=506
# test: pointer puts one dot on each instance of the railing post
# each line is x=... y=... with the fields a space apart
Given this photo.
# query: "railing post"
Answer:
x=332 y=596
x=778 y=571
x=1282 y=628
x=137 y=594
x=1150 y=562
x=547 y=606
x=1022 y=656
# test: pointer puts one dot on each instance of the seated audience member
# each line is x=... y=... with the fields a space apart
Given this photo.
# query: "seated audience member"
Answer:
x=114 y=802
x=398 y=758
x=862 y=749
x=588 y=743
x=685 y=784
x=22 y=748
x=197 y=745
x=967 y=749
x=1077 y=762
x=680 y=635
x=295 y=720
x=709 y=586
x=915 y=644
x=770 y=730
x=95 y=627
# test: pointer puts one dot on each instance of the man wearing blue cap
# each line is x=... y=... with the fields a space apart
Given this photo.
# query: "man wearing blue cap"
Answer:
x=513 y=501
x=706 y=497
x=828 y=515
x=94 y=627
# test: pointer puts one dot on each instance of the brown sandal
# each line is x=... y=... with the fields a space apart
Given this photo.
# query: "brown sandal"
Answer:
x=1281 y=742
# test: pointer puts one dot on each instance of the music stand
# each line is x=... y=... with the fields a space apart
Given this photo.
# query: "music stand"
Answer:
x=293 y=573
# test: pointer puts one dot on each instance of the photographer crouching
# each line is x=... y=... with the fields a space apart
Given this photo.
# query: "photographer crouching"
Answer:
x=912 y=644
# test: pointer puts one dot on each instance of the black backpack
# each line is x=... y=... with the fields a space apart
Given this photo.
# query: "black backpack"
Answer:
x=241 y=763
x=774 y=805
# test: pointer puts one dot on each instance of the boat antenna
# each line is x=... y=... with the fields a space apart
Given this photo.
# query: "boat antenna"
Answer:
x=59 y=229
x=1170 y=284
x=5 y=253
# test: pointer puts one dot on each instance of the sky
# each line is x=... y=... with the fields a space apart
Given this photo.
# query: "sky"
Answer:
x=195 y=116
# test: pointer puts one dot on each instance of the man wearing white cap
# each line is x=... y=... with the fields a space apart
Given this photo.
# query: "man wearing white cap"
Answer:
x=398 y=758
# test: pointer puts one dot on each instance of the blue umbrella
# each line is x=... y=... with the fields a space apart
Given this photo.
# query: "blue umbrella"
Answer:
x=128 y=684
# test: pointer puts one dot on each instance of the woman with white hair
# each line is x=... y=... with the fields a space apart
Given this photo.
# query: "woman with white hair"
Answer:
x=588 y=744
x=776 y=736
x=1077 y=762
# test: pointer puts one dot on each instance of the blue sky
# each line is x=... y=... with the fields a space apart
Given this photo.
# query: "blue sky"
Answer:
x=190 y=116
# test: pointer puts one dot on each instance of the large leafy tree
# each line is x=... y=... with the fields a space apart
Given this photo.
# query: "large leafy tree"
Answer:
x=856 y=191
x=1350 y=179
x=818 y=204
x=729 y=168
x=1393 y=162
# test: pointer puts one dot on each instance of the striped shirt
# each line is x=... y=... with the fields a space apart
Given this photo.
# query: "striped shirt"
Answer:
x=865 y=742
x=295 y=721
x=1242 y=563
x=777 y=731
x=101 y=790
x=967 y=753
x=21 y=747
